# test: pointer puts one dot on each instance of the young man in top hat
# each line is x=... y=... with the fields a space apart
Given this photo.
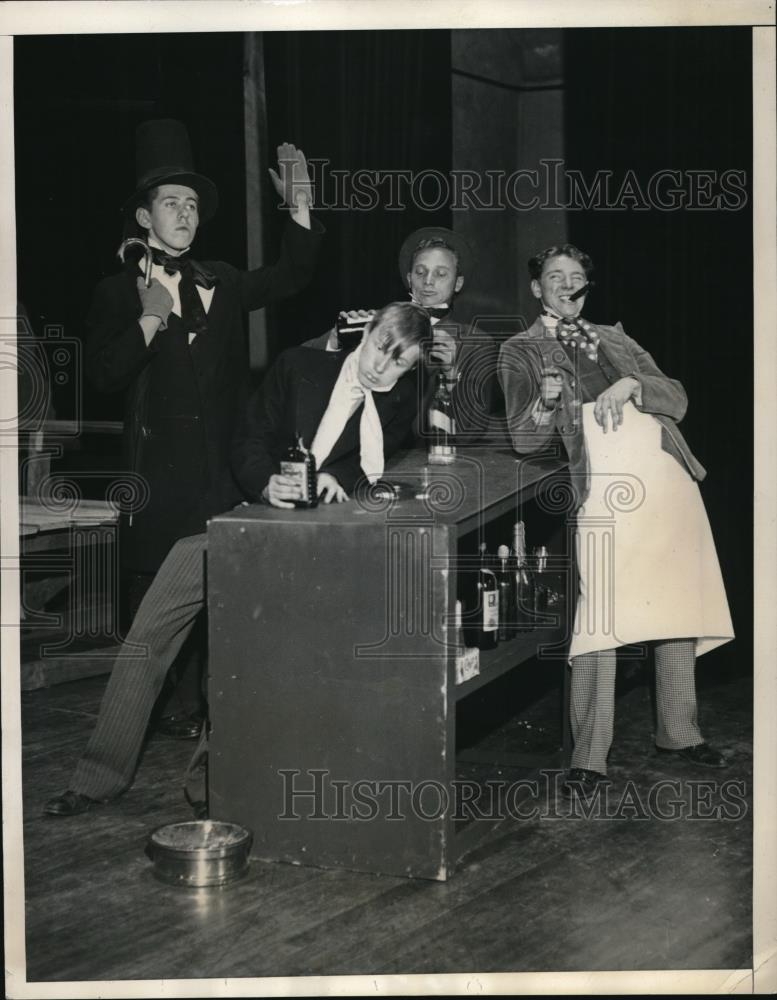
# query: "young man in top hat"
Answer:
x=176 y=346
x=434 y=263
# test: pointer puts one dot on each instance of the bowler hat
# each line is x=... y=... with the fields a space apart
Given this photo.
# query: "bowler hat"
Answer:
x=163 y=155
x=453 y=240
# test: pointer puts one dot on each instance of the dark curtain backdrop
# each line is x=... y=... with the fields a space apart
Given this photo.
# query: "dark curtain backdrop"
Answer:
x=374 y=101
x=78 y=100
x=679 y=281
x=642 y=100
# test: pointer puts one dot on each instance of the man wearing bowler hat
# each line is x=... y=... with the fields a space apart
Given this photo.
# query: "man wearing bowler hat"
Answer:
x=175 y=346
x=434 y=263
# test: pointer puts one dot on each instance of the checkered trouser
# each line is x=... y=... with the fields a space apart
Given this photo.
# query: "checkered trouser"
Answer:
x=164 y=620
x=592 y=705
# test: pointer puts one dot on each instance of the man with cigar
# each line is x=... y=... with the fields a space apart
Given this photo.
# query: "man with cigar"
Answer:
x=595 y=391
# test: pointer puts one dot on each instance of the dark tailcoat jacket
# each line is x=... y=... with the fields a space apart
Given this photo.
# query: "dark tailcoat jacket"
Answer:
x=182 y=401
x=522 y=360
x=290 y=403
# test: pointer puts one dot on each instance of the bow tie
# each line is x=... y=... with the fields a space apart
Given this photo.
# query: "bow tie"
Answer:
x=578 y=333
x=186 y=266
x=433 y=312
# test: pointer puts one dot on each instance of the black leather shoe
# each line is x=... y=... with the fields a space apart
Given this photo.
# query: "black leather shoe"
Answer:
x=68 y=804
x=180 y=727
x=702 y=754
x=582 y=782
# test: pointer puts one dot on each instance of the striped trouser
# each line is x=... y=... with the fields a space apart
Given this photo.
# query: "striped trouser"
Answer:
x=164 y=620
x=592 y=705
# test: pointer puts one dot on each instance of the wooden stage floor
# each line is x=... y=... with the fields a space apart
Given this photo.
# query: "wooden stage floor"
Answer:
x=553 y=892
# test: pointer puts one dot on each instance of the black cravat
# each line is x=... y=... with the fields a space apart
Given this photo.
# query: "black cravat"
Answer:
x=193 y=315
x=202 y=276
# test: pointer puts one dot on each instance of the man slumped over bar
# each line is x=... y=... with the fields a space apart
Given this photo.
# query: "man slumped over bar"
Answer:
x=434 y=264
x=352 y=411
x=602 y=396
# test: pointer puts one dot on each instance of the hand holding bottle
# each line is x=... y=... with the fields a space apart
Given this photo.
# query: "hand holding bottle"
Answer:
x=443 y=351
x=281 y=490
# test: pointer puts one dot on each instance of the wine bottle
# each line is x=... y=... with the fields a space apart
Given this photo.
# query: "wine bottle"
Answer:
x=523 y=588
x=458 y=630
x=300 y=464
x=467 y=660
x=506 y=584
x=541 y=580
x=487 y=625
x=442 y=425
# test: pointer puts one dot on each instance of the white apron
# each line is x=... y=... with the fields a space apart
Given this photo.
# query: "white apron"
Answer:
x=647 y=560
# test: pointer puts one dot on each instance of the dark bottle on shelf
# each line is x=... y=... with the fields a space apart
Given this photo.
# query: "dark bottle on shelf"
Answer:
x=300 y=464
x=506 y=583
x=442 y=425
x=487 y=633
x=524 y=584
x=541 y=580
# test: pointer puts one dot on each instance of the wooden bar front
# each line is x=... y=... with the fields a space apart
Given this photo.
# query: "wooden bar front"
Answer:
x=332 y=671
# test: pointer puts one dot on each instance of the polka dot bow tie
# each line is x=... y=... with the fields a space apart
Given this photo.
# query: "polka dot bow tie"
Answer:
x=578 y=333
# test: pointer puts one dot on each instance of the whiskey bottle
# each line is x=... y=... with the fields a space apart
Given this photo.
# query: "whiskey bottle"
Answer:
x=300 y=464
x=487 y=624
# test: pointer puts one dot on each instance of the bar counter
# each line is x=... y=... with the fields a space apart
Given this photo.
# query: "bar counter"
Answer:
x=332 y=682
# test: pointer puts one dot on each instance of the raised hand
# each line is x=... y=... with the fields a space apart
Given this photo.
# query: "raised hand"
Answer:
x=292 y=180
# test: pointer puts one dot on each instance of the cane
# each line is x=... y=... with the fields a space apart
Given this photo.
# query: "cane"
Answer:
x=138 y=242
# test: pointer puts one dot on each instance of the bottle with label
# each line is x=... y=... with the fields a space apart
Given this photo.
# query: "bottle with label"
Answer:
x=467 y=660
x=442 y=425
x=506 y=583
x=486 y=632
x=300 y=464
x=541 y=580
x=523 y=583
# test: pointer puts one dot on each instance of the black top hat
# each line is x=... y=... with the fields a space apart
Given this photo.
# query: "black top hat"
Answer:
x=453 y=240
x=163 y=155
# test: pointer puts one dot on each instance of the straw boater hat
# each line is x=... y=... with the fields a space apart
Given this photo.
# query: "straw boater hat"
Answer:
x=163 y=155
x=453 y=240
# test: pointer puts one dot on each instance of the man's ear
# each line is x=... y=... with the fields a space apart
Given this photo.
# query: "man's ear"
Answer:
x=459 y=284
x=143 y=217
x=536 y=288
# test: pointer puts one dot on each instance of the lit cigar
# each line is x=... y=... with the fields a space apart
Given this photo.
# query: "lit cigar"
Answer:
x=581 y=291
